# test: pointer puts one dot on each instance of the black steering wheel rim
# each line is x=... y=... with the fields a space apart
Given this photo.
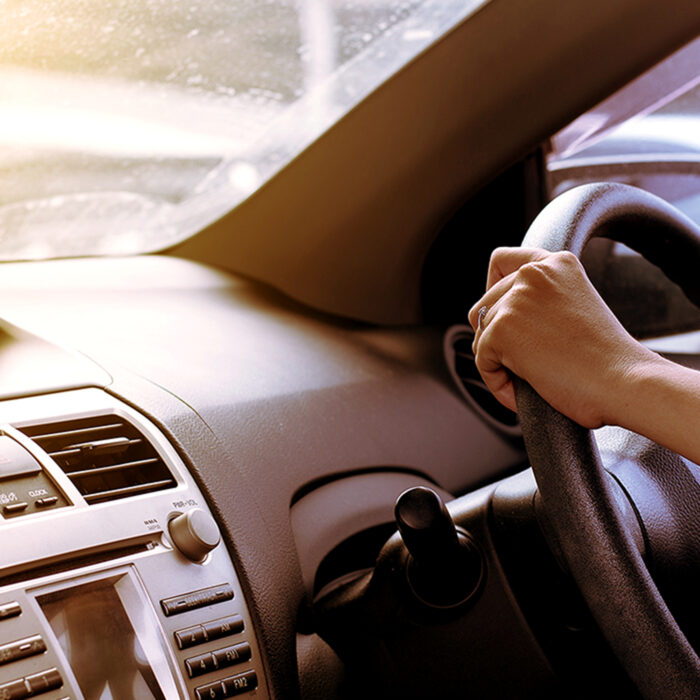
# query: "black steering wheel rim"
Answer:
x=579 y=504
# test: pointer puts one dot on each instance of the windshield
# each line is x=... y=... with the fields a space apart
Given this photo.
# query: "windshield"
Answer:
x=127 y=125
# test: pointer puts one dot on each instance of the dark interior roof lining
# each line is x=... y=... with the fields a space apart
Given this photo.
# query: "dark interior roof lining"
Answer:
x=345 y=227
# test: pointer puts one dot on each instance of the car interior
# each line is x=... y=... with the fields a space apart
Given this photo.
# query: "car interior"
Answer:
x=255 y=458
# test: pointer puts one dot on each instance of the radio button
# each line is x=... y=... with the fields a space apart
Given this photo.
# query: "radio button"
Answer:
x=213 y=691
x=242 y=683
x=190 y=637
x=196 y=599
x=8 y=610
x=225 y=627
x=46 y=502
x=14 y=690
x=20 y=649
x=44 y=681
x=14 y=508
x=199 y=665
x=230 y=656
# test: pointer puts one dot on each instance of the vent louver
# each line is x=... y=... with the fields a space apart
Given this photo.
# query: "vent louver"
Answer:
x=105 y=456
x=460 y=361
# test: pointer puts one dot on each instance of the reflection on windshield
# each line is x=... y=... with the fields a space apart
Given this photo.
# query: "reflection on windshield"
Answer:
x=126 y=125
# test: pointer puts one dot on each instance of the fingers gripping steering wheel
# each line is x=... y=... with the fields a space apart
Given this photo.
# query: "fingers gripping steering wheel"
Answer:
x=578 y=502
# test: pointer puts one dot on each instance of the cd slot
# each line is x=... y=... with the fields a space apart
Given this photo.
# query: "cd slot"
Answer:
x=79 y=560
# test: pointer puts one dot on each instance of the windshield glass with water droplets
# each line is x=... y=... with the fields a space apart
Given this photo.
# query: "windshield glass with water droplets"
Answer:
x=128 y=125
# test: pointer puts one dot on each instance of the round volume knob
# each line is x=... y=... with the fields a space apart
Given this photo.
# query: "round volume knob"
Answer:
x=195 y=533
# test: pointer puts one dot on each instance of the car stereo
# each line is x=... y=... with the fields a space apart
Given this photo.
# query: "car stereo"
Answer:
x=113 y=580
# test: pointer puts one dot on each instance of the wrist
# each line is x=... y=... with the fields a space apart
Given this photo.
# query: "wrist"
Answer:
x=636 y=380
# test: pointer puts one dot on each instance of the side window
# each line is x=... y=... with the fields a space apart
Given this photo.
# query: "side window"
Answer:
x=647 y=135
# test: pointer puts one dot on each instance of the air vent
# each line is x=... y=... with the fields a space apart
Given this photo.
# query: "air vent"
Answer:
x=460 y=361
x=104 y=456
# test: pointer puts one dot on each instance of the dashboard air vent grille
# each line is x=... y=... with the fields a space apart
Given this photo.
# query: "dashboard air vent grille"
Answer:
x=460 y=361
x=105 y=456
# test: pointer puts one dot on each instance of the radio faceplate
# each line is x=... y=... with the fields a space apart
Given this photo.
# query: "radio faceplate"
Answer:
x=96 y=601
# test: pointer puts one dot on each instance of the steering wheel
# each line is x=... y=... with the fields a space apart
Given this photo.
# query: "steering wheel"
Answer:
x=576 y=495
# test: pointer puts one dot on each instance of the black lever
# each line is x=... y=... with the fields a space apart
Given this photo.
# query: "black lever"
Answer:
x=445 y=567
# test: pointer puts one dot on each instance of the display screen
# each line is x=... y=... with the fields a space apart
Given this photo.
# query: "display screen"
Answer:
x=109 y=638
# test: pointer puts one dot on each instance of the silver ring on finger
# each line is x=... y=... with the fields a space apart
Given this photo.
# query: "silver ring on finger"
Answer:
x=482 y=312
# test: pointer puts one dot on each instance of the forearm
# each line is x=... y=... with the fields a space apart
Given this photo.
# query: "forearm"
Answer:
x=661 y=400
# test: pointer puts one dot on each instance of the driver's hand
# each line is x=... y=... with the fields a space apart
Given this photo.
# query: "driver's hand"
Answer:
x=546 y=323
